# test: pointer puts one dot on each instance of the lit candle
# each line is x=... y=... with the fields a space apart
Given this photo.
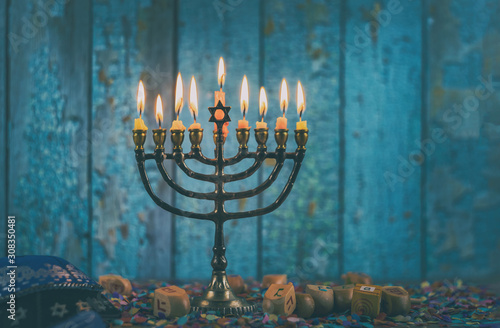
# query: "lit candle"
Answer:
x=221 y=78
x=301 y=107
x=281 y=121
x=159 y=110
x=193 y=104
x=220 y=95
x=262 y=108
x=179 y=101
x=141 y=99
x=244 y=103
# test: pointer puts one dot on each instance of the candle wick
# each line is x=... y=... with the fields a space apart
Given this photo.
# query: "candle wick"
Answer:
x=177 y=116
x=262 y=120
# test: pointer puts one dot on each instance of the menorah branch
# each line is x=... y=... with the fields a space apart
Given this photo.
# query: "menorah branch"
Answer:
x=248 y=172
x=241 y=155
x=164 y=205
x=198 y=155
x=179 y=189
x=262 y=187
x=281 y=198
x=179 y=160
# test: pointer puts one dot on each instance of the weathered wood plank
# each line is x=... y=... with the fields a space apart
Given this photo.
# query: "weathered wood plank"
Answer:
x=463 y=199
x=132 y=40
x=158 y=54
x=301 y=43
x=208 y=30
x=49 y=47
x=3 y=125
x=382 y=131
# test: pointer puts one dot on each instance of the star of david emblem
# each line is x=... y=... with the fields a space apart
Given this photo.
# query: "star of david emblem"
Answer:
x=83 y=306
x=219 y=114
x=20 y=315
x=97 y=304
x=59 y=310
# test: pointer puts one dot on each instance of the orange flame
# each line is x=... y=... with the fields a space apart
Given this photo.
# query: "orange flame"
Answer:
x=179 y=94
x=244 y=96
x=193 y=98
x=221 y=74
x=301 y=100
x=262 y=102
x=284 y=96
x=141 y=98
x=159 y=110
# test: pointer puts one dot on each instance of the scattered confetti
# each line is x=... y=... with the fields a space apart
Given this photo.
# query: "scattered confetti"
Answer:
x=442 y=303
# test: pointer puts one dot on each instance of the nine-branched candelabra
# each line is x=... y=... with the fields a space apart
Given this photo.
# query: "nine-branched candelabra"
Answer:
x=218 y=296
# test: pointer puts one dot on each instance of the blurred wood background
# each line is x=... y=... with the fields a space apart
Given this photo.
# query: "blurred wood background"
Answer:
x=402 y=175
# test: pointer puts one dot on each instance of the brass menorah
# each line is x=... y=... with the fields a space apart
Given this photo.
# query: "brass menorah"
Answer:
x=218 y=296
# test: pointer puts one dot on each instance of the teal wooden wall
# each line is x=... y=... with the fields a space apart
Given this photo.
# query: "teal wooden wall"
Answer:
x=402 y=175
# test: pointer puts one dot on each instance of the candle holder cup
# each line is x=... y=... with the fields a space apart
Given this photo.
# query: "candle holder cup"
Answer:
x=218 y=296
x=281 y=136
x=301 y=137
x=177 y=137
x=261 y=136
x=139 y=138
x=195 y=136
x=242 y=135
x=159 y=136
x=216 y=134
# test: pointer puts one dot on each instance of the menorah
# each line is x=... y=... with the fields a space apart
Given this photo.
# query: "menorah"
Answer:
x=218 y=296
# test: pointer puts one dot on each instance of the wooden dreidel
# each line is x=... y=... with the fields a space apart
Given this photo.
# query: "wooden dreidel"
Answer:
x=236 y=282
x=279 y=299
x=270 y=279
x=172 y=301
x=357 y=278
x=323 y=299
x=366 y=300
x=305 y=305
x=114 y=283
x=342 y=297
x=395 y=301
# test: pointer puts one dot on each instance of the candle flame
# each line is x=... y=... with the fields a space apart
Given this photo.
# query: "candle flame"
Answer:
x=244 y=96
x=301 y=100
x=179 y=100
x=262 y=102
x=193 y=98
x=141 y=98
x=284 y=96
x=221 y=74
x=159 y=110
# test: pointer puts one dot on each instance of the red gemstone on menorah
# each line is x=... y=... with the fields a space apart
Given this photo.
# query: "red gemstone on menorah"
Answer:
x=218 y=296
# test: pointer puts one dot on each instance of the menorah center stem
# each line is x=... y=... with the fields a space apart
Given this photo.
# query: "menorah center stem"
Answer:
x=219 y=261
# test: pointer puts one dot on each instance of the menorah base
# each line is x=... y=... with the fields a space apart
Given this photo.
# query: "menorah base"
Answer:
x=219 y=297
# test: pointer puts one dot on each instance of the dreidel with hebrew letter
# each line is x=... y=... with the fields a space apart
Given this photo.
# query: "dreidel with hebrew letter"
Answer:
x=172 y=301
x=279 y=299
x=395 y=301
x=323 y=299
x=366 y=300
